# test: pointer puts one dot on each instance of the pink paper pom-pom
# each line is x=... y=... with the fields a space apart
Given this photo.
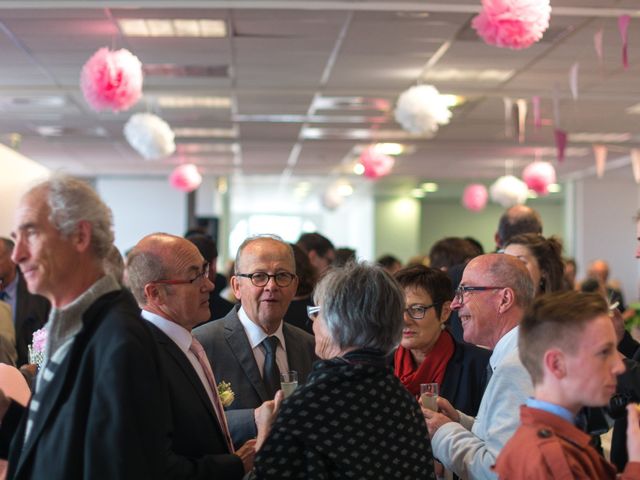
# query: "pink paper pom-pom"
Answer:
x=475 y=197
x=39 y=340
x=512 y=23
x=376 y=164
x=112 y=80
x=538 y=176
x=185 y=178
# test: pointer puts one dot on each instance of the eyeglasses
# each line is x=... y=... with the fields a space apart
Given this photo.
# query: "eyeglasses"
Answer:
x=417 y=312
x=460 y=291
x=201 y=276
x=313 y=311
x=260 y=279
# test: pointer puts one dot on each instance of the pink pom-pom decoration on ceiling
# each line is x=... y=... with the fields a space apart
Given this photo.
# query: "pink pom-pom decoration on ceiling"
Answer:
x=112 y=80
x=512 y=24
x=538 y=176
x=185 y=178
x=376 y=164
x=475 y=197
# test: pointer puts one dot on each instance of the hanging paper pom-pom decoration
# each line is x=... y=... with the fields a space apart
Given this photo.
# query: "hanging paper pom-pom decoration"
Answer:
x=185 y=178
x=112 y=80
x=150 y=136
x=512 y=24
x=422 y=110
x=538 y=176
x=331 y=198
x=509 y=191
x=376 y=164
x=475 y=197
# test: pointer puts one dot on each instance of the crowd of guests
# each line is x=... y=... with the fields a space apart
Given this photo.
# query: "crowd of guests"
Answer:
x=151 y=371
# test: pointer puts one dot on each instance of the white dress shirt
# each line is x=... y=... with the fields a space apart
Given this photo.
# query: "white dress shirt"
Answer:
x=256 y=335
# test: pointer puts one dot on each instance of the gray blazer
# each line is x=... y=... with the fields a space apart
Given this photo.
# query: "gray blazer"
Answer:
x=232 y=360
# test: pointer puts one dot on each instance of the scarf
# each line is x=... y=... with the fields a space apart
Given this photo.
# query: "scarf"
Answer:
x=431 y=370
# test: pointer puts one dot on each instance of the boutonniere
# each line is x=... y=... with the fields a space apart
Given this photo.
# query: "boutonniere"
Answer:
x=225 y=394
x=36 y=349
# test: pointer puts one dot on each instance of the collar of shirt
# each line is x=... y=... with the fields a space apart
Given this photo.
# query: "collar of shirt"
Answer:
x=12 y=288
x=255 y=333
x=551 y=408
x=507 y=344
x=180 y=335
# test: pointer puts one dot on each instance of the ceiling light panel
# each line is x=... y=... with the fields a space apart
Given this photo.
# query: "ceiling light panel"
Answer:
x=177 y=27
x=167 y=101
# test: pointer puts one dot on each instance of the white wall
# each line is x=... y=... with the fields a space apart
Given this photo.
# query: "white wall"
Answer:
x=19 y=173
x=142 y=205
x=605 y=227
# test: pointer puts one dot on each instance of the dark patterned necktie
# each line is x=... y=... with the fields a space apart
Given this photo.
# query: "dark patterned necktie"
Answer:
x=271 y=373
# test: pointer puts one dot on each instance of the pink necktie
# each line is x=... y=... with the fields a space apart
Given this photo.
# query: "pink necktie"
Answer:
x=198 y=351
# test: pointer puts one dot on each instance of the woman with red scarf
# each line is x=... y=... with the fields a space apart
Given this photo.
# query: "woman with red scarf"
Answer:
x=428 y=353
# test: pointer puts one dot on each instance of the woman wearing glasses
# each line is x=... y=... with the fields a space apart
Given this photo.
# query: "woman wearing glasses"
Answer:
x=352 y=418
x=428 y=353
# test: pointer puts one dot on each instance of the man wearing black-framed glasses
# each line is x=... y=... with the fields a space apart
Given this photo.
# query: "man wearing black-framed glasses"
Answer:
x=494 y=293
x=252 y=345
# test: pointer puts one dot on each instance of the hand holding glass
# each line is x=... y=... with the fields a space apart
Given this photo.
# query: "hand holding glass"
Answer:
x=289 y=382
x=429 y=396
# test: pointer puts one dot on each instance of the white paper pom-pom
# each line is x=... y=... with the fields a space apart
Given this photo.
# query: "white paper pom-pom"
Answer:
x=422 y=110
x=150 y=136
x=509 y=191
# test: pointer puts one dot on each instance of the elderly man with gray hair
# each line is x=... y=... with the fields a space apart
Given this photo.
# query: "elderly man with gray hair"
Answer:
x=353 y=418
x=99 y=405
x=493 y=295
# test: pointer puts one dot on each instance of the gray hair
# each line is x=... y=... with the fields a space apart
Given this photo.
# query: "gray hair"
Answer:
x=144 y=267
x=255 y=238
x=362 y=306
x=72 y=201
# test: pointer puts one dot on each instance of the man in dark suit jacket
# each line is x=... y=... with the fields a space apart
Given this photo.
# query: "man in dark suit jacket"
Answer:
x=29 y=311
x=234 y=344
x=99 y=408
x=169 y=278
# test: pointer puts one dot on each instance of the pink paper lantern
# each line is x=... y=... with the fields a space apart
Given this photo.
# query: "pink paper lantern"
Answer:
x=512 y=24
x=112 y=80
x=376 y=164
x=538 y=176
x=475 y=197
x=185 y=178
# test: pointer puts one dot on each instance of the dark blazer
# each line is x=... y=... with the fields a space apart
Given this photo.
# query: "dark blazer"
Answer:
x=465 y=377
x=32 y=312
x=103 y=414
x=232 y=360
x=199 y=449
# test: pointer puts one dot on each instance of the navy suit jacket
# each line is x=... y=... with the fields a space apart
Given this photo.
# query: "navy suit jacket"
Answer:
x=198 y=446
x=232 y=360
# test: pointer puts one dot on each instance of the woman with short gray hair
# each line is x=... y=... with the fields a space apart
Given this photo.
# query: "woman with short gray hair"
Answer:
x=353 y=418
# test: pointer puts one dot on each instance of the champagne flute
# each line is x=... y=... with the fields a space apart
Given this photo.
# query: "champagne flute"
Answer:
x=288 y=382
x=429 y=396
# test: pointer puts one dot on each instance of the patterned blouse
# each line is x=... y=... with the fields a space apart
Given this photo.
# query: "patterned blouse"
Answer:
x=352 y=419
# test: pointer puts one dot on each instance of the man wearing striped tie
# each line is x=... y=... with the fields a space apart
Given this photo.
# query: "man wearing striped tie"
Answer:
x=169 y=279
x=99 y=404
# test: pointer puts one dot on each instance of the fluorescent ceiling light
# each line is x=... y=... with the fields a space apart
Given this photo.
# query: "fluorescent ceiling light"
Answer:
x=599 y=137
x=206 y=132
x=554 y=188
x=389 y=148
x=195 y=148
x=358 y=169
x=357 y=134
x=351 y=103
x=634 y=109
x=178 y=101
x=344 y=189
x=452 y=100
x=454 y=74
x=177 y=27
x=418 y=193
x=429 y=187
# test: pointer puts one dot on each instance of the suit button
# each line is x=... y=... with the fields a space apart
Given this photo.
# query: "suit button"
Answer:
x=544 y=433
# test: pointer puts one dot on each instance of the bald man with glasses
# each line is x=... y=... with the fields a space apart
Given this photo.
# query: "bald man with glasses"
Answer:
x=491 y=300
x=251 y=346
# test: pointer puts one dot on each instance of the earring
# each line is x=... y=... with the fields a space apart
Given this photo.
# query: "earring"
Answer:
x=442 y=326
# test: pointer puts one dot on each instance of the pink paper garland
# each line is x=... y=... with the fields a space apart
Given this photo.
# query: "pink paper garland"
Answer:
x=560 y=137
x=623 y=27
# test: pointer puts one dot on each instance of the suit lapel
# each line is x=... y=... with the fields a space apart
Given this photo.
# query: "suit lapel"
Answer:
x=236 y=337
x=183 y=363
